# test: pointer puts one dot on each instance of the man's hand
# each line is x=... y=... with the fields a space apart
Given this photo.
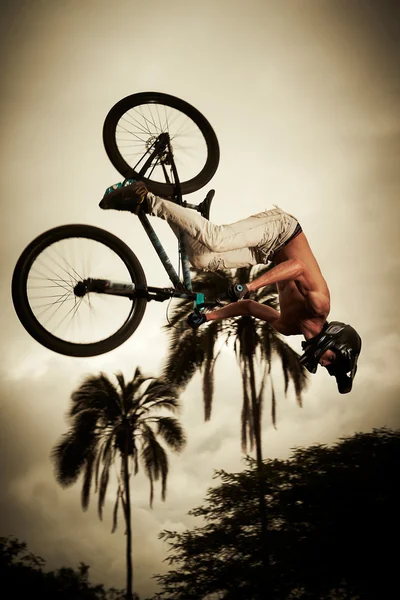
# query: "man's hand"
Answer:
x=237 y=291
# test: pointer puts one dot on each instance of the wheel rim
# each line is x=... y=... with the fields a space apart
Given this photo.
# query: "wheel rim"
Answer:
x=52 y=278
x=139 y=127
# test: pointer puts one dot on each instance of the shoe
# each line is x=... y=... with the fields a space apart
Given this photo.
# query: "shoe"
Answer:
x=237 y=292
x=204 y=207
x=129 y=195
x=195 y=319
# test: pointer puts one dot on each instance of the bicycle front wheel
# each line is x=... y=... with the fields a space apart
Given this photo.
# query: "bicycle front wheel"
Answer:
x=44 y=290
x=134 y=124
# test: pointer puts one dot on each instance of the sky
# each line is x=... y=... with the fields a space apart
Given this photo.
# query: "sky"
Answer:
x=304 y=99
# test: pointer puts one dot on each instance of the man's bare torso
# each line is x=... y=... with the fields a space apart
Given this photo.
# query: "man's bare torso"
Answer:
x=294 y=308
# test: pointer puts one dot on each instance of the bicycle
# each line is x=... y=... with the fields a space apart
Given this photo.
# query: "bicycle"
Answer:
x=57 y=290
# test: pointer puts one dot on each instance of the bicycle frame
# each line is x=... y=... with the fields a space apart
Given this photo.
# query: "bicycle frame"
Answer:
x=162 y=148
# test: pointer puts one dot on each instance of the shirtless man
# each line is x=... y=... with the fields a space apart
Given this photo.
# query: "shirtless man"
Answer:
x=304 y=298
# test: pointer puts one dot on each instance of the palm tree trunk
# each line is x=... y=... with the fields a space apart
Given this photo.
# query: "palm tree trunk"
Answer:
x=261 y=486
x=129 y=568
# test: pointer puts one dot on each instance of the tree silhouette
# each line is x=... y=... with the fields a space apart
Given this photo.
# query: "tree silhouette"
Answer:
x=22 y=575
x=119 y=426
x=333 y=528
x=255 y=344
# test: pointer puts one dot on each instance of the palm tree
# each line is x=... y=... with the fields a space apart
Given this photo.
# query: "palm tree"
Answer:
x=255 y=344
x=118 y=425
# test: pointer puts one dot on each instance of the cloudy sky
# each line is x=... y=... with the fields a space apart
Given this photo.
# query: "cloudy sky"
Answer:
x=304 y=98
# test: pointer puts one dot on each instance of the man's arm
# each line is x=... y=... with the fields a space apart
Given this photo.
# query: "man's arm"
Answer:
x=245 y=307
x=294 y=270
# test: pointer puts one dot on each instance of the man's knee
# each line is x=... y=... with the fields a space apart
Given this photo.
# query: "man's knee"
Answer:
x=214 y=238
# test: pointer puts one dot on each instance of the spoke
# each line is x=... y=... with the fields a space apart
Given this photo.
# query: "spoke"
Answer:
x=73 y=310
x=61 y=302
x=147 y=121
x=166 y=118
x=64 y=284
x=132 y=120
x=159 y=117
x=150 y=106
x=50 y=287
x=44 y=297
x=78 y=276
x=150 y=124
x=135 y=136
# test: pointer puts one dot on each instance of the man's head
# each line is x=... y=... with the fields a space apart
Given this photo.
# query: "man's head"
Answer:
x=337 y=348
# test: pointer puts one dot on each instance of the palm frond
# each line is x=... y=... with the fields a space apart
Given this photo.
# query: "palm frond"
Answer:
x=185 y=355
x=282 y=350
x=121 y=382
x=213 y=284
x=246 y=341
x=243 y=274
x=291 y=367
x=155 y=462
x=273 y=404
x=247 y=436
x=136 y=383
x=208 y=387
x=172 y=432
x=107 y=458
x=135 y=460
x=84 y=426
x=163 y=460
x=260 y=396
x=267 y=334
x=125 y=391
x=172 y=404
x=150 y=460
x=151 y=495
x=115 y=512
x=87 y=479
x=179 y=313
x=96 y=393
x=68 y=458
x=97 y=467
x=208 y=340
x=160 y=389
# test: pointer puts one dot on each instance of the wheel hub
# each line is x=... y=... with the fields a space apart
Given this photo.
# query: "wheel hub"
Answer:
x=164 y=154
x=80 y=289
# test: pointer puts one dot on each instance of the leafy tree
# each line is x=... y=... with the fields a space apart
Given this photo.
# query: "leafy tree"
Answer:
x=23 y=576
x=255 y=343
x=119 y=426
x=333 y=528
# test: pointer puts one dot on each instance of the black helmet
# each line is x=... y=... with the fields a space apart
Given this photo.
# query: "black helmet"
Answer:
x=345 y=342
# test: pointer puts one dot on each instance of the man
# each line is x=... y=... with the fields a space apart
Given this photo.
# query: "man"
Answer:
x=272 y=235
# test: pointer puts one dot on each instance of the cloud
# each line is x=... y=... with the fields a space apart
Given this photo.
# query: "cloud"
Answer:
x=305 y=105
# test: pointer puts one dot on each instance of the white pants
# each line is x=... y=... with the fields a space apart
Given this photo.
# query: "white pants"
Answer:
x=213 y=247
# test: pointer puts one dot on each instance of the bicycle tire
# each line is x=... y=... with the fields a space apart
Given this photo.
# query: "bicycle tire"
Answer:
x=153 y=125
x=35 y=252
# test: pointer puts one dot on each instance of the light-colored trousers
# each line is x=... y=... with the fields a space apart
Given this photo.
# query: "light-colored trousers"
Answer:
x=213 y=247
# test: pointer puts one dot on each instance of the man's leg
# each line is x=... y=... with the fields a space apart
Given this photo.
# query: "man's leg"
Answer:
x=213 y=247
x=203 y=259
x=255 y=231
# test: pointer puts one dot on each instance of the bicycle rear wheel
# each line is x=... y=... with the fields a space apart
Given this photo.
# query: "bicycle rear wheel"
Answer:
x=45 y=295
x=132 y=127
